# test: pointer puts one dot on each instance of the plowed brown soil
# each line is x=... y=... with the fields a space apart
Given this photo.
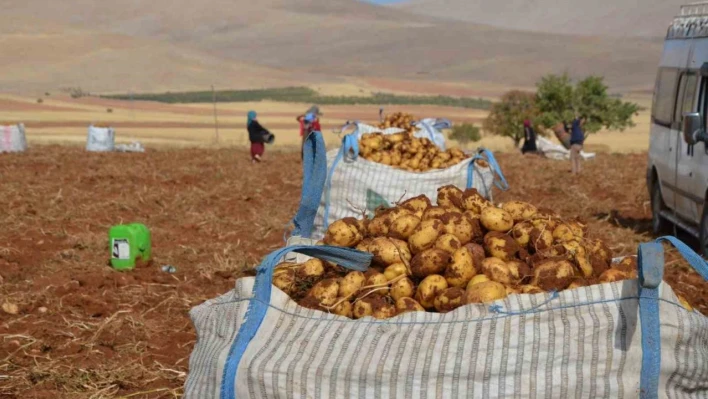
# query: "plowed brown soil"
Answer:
x=83 y=330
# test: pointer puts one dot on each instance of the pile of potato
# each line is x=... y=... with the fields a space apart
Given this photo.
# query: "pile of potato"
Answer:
x=399 y=120
x=439 y=257
x=403 y=151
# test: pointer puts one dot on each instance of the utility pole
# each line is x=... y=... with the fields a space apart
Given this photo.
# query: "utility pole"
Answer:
x=216 y=119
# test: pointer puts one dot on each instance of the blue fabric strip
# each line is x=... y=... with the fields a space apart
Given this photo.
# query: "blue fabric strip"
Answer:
x=651 y=271
x=314 y=174
x=258 y=305
x=695 y=260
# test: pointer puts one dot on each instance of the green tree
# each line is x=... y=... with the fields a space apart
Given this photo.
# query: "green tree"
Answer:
x=465 y=133
x=506 y=117
x=561 y=101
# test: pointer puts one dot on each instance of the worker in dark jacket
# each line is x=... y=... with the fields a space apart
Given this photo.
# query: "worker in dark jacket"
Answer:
x=529 y=138
x=257 y=135
x=577 y=138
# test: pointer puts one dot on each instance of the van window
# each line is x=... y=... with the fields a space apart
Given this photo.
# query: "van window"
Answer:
x=665 y=96
x=686 y=96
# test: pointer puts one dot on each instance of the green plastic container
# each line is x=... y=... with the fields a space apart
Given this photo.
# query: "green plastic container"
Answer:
x=128 y=243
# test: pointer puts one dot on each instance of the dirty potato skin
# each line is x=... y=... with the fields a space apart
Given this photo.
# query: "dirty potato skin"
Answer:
x=485 y=292
x=351 y=283
x=417 y=204
x=461 y=269
x=450 y=197
x=325 y=292
x=404 y=305
x=402 y=288
x=425 y=235
x=431 y=261
x=344 y=233
x=404 y=226
x=553 y=275
x=500 y=245
x=429 y=289
x=454 y=223
x=519 y=210
x=450 y=299
x=473 y=201
x=496 y=219
x=448 y=243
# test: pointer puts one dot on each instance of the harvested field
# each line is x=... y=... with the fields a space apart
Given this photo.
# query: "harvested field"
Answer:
x=82 y=330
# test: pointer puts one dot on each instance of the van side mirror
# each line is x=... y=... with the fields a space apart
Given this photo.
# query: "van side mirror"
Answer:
x=693 y=130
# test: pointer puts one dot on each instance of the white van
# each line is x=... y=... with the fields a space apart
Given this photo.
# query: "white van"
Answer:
x=677 y=174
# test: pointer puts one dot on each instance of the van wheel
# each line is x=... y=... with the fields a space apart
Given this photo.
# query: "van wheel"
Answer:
x=658 y=224
x=703 y=236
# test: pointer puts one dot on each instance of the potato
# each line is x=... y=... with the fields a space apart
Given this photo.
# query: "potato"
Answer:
x=583 y=261
x=404 y=226
x=363 y=226
x=480 y=278
x=450 y=197
x=577 y=228
x=488 y=291
x=325 y=292
x=429 y=289
x=425 y=235
x=404 y=305
x=478 y=253
x=364 y=244
x=362 y=308
x=530 y=289
x=684 y=303
x=351 y=284
x=430 y=261
x=461 y=269
x=312 y=268
x=496 y=219
x=510 y=290
x=473 y=201
x=563 y=233
x=402 y=288
x=449 y=300
x=497 y=270
x=578 y=283
x=629 y=266
x=448 y=243
x=395 y=270
x=500 y=245
x=417 y=204
x=343 y=308
x=519 y=269
x=377 y=283
x=600 y=250
x=384 y=310
x=284 y=279
x=382 y=222
x=613 y=275
x=454 y=223
x=540 y=239
x=553 y=274
x=522 y=233
x=343 y=233
x=571 y=246
x=519 y=210
x=434 y=212
x=388 y=251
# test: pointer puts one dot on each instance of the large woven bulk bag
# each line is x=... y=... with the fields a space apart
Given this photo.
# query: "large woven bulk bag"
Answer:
x=100 y=139
x=626 y=339
x=349 y=185
x=12 y=138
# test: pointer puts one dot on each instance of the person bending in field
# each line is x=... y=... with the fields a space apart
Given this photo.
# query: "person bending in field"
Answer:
x=529 y=138
x=257 y=135
x=577 y=138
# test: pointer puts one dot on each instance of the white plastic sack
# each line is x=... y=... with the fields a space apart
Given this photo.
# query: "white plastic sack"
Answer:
x=552 y=150
x=355 y=186
x=618 y=340
x=135 y=146
x=100 y=139
x=429 y=128
x=12 y=138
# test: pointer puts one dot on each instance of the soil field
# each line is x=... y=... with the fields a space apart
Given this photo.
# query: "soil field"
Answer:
x=82 y=330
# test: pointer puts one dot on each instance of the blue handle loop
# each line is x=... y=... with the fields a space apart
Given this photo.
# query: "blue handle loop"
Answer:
x=258 y=304
x=488 y=156
x=650 y=259
x=314 y=175
x=350 y=151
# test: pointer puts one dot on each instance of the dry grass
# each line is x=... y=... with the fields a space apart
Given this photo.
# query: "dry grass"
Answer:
x=213 y=216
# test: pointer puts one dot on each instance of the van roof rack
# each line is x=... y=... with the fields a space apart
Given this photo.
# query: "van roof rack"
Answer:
x=692 y=22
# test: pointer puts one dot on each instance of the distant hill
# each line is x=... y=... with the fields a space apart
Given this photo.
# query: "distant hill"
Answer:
x=183 y=45
x=641 y=18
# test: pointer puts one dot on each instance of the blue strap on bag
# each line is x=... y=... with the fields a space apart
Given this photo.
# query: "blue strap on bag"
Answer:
x=314 y=174
x=258 y=304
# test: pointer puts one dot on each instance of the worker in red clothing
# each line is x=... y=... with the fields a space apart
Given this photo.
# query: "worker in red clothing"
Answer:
x=309 y=122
